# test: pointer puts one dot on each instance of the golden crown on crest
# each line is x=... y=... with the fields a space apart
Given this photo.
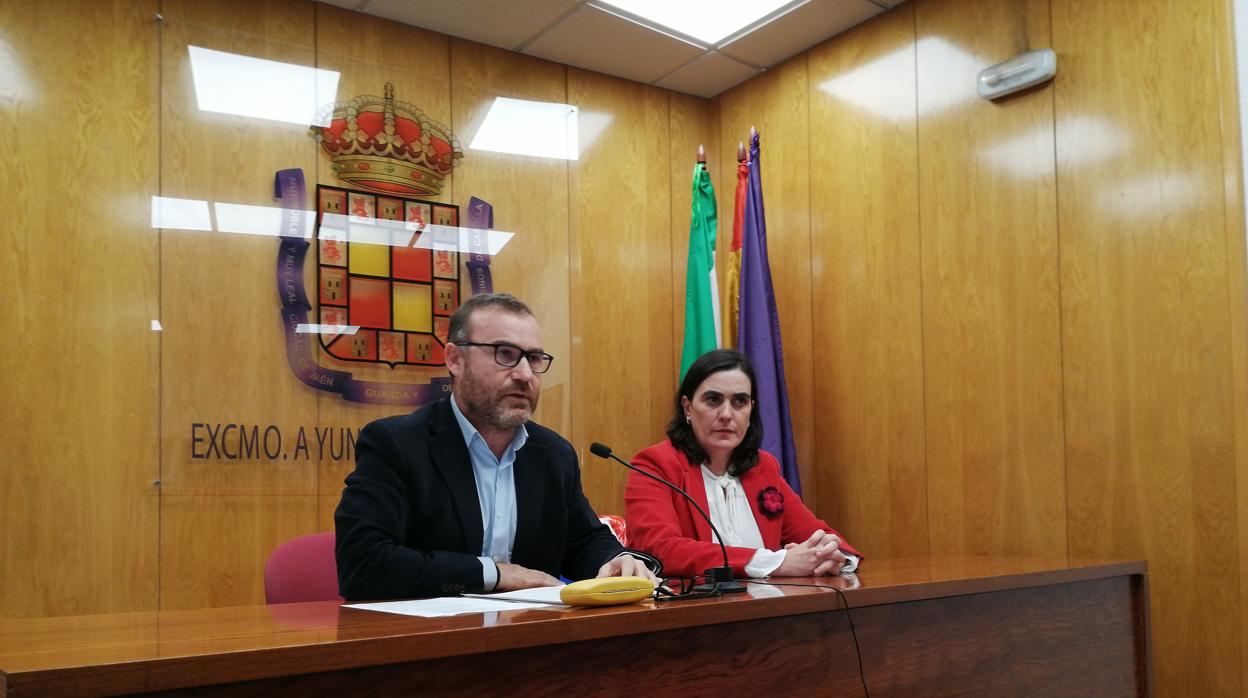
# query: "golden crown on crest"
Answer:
x=387 y=146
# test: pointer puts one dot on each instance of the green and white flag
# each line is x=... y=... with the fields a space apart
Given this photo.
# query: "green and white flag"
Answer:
x=701 y=289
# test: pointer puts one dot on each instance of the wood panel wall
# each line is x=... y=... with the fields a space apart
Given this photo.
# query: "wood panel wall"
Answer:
x=97 y=441
x=1010 y=328
x=990 y=298
x=219 y=516
x=1237 y=288
x=621 y=292
x=866 y=288
x=1150 y=419
x=78 y=446
x=1029 y=315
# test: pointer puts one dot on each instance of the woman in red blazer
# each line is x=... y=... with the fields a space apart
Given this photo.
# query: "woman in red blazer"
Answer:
x=712 y=453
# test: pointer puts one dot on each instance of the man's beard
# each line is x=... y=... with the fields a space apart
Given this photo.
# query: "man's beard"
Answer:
x=482 y=407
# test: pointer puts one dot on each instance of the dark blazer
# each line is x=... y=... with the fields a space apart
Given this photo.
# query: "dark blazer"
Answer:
x=409 y=522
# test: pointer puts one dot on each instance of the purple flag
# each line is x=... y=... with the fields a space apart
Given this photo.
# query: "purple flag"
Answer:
x=758 y=331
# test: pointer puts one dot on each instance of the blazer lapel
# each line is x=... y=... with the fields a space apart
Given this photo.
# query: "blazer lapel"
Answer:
x=753 y=483
x=450 y=457
x=695 y=487
x=528 y=475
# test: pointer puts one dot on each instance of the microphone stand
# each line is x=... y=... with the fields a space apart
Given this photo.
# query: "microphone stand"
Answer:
x=720 y=577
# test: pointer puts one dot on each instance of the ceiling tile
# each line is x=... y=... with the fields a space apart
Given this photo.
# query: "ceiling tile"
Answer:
x=503 y=23
x=799 y=30
x=708 y=76
x=595 y=40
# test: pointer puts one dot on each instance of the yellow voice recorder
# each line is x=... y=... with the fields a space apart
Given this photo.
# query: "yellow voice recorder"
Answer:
x=607 y=591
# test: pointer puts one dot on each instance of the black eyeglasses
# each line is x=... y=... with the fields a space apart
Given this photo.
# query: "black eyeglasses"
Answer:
x=682 y=588
x=509 y=355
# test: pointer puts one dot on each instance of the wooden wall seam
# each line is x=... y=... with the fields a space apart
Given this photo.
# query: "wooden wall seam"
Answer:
x=1237 y=302
x=160 y=361
x=1057 y=230
x=918 y=197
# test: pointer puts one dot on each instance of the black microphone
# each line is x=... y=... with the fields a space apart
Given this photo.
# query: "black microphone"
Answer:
x=721 y=577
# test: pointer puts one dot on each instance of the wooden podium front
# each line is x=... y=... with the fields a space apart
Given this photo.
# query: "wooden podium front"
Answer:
x=925 y=626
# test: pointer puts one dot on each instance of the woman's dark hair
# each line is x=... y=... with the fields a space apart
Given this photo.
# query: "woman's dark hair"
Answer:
x=745 y=455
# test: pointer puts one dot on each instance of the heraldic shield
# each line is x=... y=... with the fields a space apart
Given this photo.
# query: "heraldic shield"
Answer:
x=398 y=288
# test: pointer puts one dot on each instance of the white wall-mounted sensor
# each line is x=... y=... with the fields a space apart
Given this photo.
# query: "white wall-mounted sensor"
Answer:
x=1018 y=73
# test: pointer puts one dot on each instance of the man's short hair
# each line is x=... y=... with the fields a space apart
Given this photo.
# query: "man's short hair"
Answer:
x=503 y=302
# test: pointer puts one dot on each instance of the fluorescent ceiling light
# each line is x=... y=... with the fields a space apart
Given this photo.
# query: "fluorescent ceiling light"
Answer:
x=1095 y=139
x=592 y=125
x=257 y=220
x=708 y=21
x=1154 y=197
x=180 y=214
x=524 y=127
x=14 y=85
x=242 y=219
x=443 y=237
x=192 y=214
x=874 y=86
x=309 y=328
x=375 y=231
x=232 y=84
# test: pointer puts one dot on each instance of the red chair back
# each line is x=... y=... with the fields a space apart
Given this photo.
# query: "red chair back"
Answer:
x=302 y=569
x=616 y=523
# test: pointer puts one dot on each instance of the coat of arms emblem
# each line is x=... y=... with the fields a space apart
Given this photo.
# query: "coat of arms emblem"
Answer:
x=387 y=266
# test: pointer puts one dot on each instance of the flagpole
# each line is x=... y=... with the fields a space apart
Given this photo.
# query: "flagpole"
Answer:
x=758 y=330
x=702 y=317
x=713 y=276
x=732 y=301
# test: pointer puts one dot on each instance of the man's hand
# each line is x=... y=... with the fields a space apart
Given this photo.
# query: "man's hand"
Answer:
x=512 y=577
x=627 y=566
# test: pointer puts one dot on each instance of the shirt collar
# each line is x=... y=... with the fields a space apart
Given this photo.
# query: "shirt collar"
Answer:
x=470 y=432
x=725 y=481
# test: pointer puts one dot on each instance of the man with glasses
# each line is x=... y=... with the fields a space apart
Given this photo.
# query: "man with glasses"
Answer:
x=466 y=494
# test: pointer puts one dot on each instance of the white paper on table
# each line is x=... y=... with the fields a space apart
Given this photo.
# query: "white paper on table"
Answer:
x=455 y=605
x=541 y=595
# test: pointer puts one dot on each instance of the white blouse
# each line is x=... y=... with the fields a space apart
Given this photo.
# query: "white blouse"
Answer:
x=732 y=514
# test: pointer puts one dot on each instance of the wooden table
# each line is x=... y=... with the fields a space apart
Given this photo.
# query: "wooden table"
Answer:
x=926 y=626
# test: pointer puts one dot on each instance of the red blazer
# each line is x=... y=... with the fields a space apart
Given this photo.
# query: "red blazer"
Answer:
x=662 y=523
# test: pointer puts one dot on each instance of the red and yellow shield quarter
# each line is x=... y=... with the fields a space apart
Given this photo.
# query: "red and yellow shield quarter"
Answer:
x=391 y=301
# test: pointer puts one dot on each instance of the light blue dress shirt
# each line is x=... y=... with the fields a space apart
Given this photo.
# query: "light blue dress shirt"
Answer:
x=496 y=492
